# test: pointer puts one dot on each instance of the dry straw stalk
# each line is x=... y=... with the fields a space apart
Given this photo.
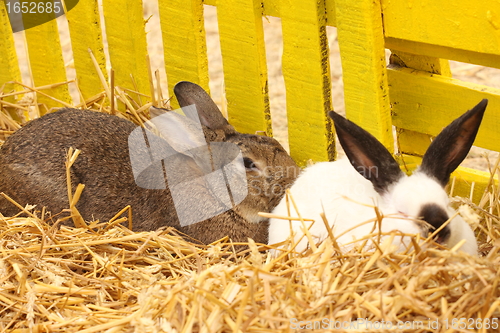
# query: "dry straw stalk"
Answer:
x=105 y=278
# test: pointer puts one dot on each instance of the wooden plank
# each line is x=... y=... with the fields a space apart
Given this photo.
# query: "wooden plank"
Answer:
x=423 y=63
x=458 y=24
x=85 y=32
x=184 y=42
x=126 y=36
x=307 y=79
x=244 y=59
x=411 y=142
x=9 y=67
x=331 y=13
x=270 y=7
x=46 y=62
x=362 y=51
x=464 y=178
x=426 y=103
x=484 y=59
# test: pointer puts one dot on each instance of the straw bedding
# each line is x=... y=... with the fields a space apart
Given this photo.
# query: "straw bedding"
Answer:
x=102 y=278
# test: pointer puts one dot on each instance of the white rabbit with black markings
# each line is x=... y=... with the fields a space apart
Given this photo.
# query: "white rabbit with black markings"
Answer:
x=347 y=190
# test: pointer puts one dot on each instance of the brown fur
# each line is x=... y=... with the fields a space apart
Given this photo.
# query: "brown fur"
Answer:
x=32 y=171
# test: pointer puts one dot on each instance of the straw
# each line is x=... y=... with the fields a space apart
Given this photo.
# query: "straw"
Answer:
x=102 y=277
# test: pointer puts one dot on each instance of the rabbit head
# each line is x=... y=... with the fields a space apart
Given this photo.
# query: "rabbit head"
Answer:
x=268 y=168
x=378 y=178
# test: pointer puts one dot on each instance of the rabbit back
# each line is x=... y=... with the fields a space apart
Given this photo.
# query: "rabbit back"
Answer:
x=32 y=168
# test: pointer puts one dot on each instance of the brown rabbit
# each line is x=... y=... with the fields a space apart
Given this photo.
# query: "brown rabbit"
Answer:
x=32 y=171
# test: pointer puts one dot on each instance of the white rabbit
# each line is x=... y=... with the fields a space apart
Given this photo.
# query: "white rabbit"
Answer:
x=347 y=190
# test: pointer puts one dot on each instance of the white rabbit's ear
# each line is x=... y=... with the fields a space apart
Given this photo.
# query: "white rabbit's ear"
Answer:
x=366 y=154
x=189 y=93
x=451 y=146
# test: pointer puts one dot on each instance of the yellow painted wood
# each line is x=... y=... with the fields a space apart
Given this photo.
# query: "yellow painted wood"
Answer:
x=484 y=59
x=459 y=24
x=307 y=79
x=423 y=63
x=46 y=62
x=244 y=59
x=127 y=43
x=85 y=33
x=9 y=67
x=331 y=13
x=270 y=7
x=361 y=42
x=464 y=178
x=411 y=142
x=184 y=44
x=426 y=103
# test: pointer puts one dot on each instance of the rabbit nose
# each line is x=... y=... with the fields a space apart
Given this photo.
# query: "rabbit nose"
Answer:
x=436 y=216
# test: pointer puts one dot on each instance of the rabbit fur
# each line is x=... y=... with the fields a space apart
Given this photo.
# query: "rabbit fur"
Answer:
x=347 y=190
x=32 y=171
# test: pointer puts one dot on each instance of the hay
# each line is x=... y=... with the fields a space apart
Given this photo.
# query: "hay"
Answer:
x=80 y=280
x=103 y=277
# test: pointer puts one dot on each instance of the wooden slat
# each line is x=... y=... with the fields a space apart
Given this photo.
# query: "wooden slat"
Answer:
x=270 y=7
x=127 y=43
x=411 y=142
x=245 y=71
x=426 y=103
x=307 y=79
x=361 y=42
x=184 y=43
x=85 y=32
x=465 y=178
x=46 y=62
x=9 y=67
x=484 y=59
x=459 y=24
x=331 y=13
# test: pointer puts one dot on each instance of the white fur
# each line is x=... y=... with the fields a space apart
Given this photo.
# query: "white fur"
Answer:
x=347 y=199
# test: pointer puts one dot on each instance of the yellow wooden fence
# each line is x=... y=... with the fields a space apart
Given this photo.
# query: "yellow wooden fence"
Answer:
x=415 y=92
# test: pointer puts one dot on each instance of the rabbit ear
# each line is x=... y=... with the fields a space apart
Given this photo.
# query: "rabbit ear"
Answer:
x=189 y=93
x=451 y=146
x=368 y=156
x=181 y=132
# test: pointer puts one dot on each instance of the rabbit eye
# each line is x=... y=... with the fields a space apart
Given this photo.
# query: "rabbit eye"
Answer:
x=249 y=164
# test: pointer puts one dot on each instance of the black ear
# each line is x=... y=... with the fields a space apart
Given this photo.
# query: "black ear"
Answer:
x=367 y=155
x=189 y=93
x=451 y=146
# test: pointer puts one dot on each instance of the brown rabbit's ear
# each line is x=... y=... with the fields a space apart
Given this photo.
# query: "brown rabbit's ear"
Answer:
x=189 y=93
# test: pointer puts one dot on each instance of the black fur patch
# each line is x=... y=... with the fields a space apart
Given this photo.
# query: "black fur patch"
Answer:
x=436 y=216
x=367 y=155
x=451 y=146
